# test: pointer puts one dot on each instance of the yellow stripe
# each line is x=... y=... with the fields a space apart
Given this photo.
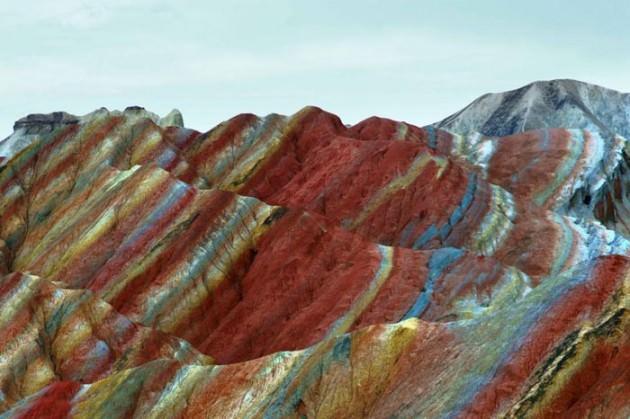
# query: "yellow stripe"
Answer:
x=397 y=184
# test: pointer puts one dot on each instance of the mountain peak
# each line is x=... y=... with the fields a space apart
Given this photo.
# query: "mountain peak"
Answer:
x=558 y=103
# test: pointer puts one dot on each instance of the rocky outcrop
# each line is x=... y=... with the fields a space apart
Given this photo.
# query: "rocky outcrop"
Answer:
x=286 y=266
x=44 y=123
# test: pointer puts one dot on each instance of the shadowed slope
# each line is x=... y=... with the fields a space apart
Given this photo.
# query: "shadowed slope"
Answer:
x=204 y=265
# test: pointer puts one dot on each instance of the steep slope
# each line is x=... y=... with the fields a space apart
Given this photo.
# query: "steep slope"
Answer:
x=27 y=129
x=572 y=172
x=202 y=263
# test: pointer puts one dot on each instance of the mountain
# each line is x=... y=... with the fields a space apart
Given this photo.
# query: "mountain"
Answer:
x=284 y=266
x=25 y=130
x=545 y=104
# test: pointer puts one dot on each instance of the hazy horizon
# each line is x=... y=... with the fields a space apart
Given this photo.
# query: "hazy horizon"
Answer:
x=412 y=61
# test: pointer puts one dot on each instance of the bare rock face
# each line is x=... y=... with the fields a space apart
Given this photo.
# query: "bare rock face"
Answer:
x=545 y=104
x=290 y=266
x=173 y=119
x=44 y=123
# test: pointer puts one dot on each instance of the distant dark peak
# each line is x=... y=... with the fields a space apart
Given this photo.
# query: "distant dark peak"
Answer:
x=42 y=123
x=135 y=108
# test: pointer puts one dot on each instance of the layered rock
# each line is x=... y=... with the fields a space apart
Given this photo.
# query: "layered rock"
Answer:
x=201 y=263
x=287 y=266
x=50 y=334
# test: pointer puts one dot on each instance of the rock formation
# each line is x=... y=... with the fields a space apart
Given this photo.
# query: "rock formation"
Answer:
x=291 y=266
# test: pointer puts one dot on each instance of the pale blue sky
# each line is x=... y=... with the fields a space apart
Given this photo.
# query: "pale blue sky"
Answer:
x=410 y=60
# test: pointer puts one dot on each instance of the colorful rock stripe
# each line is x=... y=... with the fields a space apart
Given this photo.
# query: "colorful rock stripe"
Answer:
x=50 y=334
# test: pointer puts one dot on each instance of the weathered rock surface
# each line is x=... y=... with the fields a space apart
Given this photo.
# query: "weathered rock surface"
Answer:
x=27 y=129
x=290 y=266
x=50 y=334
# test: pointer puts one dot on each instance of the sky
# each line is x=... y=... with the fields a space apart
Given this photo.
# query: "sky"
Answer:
x=416 y=61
